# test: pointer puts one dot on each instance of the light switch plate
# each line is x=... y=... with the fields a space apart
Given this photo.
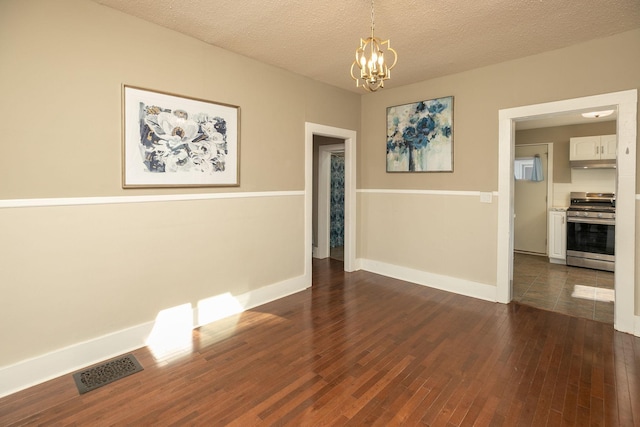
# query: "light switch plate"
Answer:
x=485 y=197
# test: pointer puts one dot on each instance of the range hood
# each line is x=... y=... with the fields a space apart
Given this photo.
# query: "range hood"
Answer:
x=593 y=164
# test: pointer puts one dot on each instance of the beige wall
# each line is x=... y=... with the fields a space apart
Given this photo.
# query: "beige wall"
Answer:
x=63 y=67
x=560 y=136
x=599 y=66
x=418 y=232
x=73 y=273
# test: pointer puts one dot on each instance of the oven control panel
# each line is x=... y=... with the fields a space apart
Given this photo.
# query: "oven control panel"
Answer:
x=590 y=214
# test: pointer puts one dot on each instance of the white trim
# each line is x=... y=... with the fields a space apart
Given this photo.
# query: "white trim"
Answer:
x=30 y=372
x=504 y=273
x=550 y=179
x=626 y=104
x=637 y=328
x=349 y=137
x=323 y=249
x=436 y=281
x=74 y=201
x=426 y=192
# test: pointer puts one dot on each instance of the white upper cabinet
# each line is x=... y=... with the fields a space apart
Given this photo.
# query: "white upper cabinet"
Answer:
x=584 y=148
x=593 y=147
x=608 y=146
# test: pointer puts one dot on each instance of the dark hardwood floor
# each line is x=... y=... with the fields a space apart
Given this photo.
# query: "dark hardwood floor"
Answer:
x=361 y=349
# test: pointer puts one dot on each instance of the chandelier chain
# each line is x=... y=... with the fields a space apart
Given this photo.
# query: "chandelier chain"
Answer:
x=373 y=19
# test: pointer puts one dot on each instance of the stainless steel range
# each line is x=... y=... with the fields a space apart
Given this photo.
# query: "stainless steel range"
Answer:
x=591 y=230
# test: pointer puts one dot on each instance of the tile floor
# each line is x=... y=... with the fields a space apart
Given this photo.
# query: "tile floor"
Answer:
x=579 y=292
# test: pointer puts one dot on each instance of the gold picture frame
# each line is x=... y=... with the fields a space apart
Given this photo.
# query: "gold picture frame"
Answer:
x=177 y=141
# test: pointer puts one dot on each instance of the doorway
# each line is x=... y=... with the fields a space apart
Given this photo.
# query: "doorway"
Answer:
x=625 y=247
x=328 y=199
x=538 y=280
x=336 y=207
x=349 y=137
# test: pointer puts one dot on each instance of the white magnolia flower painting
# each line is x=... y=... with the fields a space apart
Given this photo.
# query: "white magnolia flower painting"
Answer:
x=177 y=141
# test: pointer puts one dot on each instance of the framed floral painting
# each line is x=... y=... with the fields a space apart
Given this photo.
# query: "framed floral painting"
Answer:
x=420 y=136
x=177 y=141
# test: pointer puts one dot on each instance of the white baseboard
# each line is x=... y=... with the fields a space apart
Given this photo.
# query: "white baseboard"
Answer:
x=436 y=281
x=37 y=370
x=30 y=372
x=636 y=332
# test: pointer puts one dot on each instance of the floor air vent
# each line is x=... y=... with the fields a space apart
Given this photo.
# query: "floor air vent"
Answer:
x=106 y=373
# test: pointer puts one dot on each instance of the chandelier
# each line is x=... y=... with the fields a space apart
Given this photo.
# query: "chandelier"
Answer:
x=373 y=68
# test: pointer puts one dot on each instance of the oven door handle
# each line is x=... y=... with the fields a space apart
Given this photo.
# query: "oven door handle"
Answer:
x=591 y=220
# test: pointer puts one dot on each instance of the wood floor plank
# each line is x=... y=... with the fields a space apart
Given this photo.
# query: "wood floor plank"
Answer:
x=543 y=404
x=414 y=397
x=562 y=381
x=363 y=349
x=632 y=364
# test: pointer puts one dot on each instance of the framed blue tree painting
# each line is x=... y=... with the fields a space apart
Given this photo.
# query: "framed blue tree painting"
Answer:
x=420 y=136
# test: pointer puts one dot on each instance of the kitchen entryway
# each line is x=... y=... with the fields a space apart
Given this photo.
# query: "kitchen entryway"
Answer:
x=579 y=292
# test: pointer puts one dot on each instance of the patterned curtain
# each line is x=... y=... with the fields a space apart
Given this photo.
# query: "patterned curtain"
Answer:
x=337 y=201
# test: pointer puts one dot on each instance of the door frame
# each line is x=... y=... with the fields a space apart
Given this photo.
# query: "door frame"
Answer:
x=323 y=249
x=548 y=178
x=349 y=137
x=626 y=104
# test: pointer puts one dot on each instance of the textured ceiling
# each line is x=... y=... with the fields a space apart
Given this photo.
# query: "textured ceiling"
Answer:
x=433 y=38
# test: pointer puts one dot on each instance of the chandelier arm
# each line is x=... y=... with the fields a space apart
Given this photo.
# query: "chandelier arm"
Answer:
x=395 y=55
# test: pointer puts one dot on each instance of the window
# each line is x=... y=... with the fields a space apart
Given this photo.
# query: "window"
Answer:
x=528 y=169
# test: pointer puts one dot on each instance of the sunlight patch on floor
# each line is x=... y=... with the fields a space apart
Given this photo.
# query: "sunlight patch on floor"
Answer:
x=172 y=334
x=592 y=293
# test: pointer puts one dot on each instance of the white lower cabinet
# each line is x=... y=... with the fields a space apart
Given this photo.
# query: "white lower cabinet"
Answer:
x=557 y=236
